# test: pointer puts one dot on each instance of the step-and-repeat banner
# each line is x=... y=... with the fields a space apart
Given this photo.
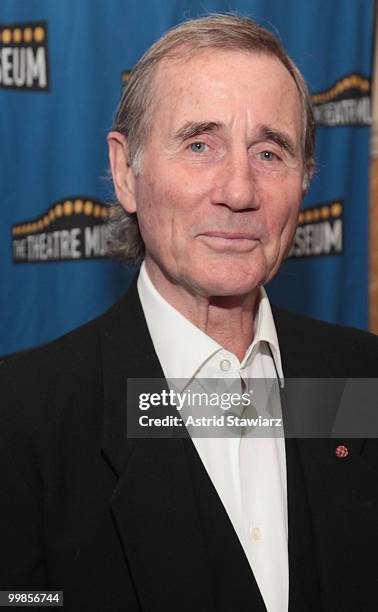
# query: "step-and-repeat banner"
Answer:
x=62 y=65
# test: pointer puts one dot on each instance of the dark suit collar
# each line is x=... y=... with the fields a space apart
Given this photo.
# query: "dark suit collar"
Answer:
x=298 y=355
x=126 y=352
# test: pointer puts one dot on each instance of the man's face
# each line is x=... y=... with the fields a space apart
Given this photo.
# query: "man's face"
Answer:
x=221 y=183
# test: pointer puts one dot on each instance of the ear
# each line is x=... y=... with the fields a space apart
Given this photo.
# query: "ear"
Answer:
x=123 y=176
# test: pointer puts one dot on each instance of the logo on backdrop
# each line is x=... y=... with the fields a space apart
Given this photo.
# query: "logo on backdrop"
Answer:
x=23 y=56
x=70 y=230
x=347 y=102
x=319 y=231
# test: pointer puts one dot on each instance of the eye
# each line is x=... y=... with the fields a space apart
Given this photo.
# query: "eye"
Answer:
x=268 y=156
x=198 y=147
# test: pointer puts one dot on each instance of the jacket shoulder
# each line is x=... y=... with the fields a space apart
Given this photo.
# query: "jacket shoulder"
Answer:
x=65 y=354
x=327 y=349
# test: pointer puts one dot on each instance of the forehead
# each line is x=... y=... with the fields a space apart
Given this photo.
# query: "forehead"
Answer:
x=238 y=85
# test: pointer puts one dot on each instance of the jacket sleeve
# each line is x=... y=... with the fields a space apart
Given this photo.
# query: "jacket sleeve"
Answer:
x=21 y=518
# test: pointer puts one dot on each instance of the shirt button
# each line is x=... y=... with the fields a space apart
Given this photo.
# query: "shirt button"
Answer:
x=225 y=365
x=255 y=533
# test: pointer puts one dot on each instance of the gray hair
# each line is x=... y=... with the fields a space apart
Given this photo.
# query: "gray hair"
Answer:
x=134 y=114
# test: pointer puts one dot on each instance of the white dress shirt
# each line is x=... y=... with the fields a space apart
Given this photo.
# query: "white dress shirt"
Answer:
x=249 y=474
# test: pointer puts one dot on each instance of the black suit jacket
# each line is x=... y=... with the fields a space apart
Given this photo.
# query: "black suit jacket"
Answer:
x=122 y=524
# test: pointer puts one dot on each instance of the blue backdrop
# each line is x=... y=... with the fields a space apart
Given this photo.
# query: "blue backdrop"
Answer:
x=62 y=63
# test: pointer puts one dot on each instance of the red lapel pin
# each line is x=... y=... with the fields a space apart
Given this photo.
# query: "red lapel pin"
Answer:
x=341 y=451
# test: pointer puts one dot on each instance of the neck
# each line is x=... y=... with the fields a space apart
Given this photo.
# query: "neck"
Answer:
x=229 y=320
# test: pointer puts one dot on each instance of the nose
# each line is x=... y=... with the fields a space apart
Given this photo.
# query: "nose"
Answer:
x=236 y=185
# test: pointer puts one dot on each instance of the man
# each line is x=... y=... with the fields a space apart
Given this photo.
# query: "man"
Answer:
x=211 y=154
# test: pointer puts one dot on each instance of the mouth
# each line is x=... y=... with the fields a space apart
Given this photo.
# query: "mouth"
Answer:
x=230 y=241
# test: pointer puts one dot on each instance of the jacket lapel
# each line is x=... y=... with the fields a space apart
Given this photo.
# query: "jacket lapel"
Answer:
x=333 y=524
x=153 y=503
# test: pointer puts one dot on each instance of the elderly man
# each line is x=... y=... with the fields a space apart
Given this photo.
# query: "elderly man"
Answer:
x=211 y=154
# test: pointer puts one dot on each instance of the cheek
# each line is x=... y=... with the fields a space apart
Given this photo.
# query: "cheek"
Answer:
x=281 y=212
x=151 y=202
x=160 y=218
x=168 y=205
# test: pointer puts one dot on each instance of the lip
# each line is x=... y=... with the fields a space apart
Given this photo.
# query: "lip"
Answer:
x=230 y=241
x=230 y=235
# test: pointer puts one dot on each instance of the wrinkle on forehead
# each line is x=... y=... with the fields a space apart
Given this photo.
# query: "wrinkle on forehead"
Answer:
x=171 y=68
x=194 y=89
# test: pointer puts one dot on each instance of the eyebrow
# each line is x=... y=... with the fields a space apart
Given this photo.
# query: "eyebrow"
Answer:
x=281 y=139
x=191 y=129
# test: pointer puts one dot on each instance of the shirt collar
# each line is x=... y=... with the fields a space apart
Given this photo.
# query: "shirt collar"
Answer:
x=265 y=331
x=189 y=347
